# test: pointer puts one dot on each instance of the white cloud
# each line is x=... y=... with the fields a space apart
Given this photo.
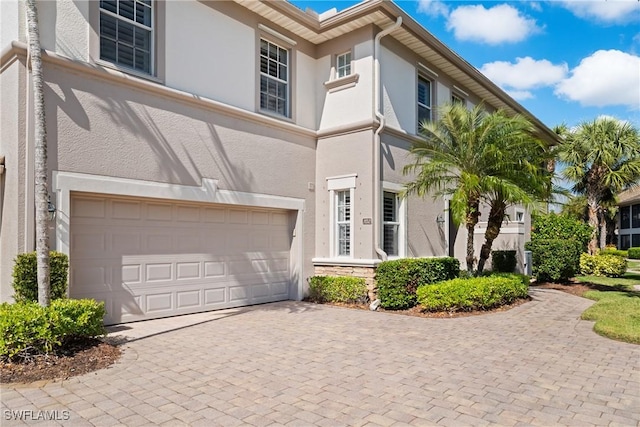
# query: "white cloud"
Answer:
x=498 y=24
x=607 y=77
x=526 y=73
x=535 y=6
x=433 y=7
x=611 y=11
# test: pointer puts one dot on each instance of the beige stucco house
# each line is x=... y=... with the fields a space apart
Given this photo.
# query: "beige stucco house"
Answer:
x=629 y=218
x=213 y=154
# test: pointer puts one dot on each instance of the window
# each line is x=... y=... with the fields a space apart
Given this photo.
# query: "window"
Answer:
x=391 y=223
x=519 y=215
x=455 y=99
x=343 y=222
x=625 y=241
x=343 y=65
x=424 y=100
x=625 y=217
x=635 y=216
x=635 y=241
x=126 y=33
x=274 y=78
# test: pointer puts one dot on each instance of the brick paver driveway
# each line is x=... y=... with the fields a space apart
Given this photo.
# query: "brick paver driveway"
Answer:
x=302 y=364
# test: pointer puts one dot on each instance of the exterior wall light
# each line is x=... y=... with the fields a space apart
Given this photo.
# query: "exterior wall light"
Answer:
x=51 y=209
x=440 y=219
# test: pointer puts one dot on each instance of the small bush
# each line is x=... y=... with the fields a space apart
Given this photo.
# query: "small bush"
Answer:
x=478 y=293
x=398 y=280
x=553 y=259
x=337 y=289
x=503 y=261
x=25 y=276
x=27 y=329
x=603 y=265
x=616 y=252
x=634 y=253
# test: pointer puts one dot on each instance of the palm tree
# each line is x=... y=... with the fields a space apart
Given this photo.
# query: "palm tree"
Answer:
x=41 y=191
x=463 y=156
x=602 y=157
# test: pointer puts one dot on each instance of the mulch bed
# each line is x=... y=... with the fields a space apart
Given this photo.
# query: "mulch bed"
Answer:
x=572 y=287
x=76 y=358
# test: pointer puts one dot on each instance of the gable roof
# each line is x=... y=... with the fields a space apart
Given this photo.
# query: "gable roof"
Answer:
x=630 y=195
x=383 y=13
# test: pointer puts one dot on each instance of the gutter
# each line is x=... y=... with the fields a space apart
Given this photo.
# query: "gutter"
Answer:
x=376 y=138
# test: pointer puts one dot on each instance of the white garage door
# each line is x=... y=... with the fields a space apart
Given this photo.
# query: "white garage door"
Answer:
x=149 y=258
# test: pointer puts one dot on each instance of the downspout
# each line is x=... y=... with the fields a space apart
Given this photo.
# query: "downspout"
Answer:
x=376 y=137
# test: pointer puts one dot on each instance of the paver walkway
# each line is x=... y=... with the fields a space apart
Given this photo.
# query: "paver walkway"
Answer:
x=301 y=364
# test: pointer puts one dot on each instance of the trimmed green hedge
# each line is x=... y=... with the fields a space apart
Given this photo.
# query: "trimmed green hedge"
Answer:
x=25 y=276
x=553 y=259
x=560 y=227
x=398 y=280
x=634 y=253
x=503 y=261
x=478 y=293
x=616 y=252
x=27 y=329
x=603 y=265
x=337 y=289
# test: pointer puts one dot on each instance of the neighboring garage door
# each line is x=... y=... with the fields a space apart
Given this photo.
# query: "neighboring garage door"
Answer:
x=149 y=258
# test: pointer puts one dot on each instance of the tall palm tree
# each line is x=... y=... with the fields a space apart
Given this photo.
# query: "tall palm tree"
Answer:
x=602 y=157
x=463 y=156
x=41 y=191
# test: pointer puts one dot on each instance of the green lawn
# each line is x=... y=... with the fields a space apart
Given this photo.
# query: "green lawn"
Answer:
x=617 y=310
x=633 y=265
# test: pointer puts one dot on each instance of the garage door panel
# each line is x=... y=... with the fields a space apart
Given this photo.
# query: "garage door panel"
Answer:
x=147 y=258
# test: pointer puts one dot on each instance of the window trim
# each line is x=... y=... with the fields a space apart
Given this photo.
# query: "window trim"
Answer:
x=424 y=77
x=335 y=185
x=158 y=57
x=456 y=98
x=519 y=211
x=391 y=187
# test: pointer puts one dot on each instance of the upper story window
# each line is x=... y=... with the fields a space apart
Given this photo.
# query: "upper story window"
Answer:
x=274 y=78
x=455 y=99
x=343 y=65
x=625 y=217
x=519 y=215
x=126 y=33
x=424 y=100
x=635 y=216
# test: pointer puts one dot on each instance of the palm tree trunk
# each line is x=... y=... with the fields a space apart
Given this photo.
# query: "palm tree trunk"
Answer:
x=494 y=223
x=41 y=191
x=473 y=214
x=593 y=222
x=603 y=229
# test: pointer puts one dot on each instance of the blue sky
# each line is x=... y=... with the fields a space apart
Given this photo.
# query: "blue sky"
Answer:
x=565 y=61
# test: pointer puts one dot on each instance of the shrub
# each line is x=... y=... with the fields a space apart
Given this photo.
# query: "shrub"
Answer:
x=28 y=329
x=554 y=259
x=398 y=280
x=634 y=253
x=613 y=251
x=337 y=289
x=478 y=293
x=560 y=227
x=603 y=265
x=503 y=261
x=25 y=276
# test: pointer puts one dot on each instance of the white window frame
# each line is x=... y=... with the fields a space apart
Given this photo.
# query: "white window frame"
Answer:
x=268 y=76
x=150 y=28
x=455 y=98
x=336 y=185
x=519 y=212
x=422 y=77
x=401 y=219
x=346 y=69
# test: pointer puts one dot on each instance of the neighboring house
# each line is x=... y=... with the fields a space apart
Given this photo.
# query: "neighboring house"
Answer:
x=215 y=154
x=629 y=219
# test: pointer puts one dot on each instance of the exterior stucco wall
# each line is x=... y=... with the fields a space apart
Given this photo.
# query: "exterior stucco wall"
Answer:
x=12 y=18
x=425 y=237
x=64 y=27
x=12 y=181
x=338 y=156
x=398 y=80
